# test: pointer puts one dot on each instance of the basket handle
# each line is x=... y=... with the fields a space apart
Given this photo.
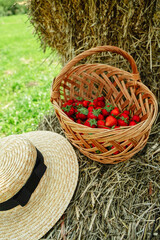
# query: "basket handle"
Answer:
x=95 y=50
x=90 y=52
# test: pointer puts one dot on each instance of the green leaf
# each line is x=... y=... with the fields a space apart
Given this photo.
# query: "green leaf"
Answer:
x=67 y=108
x=124 y=119
x=79 y=98
x=96 y=112
x=109 y=107
x=97 y=151
x=83 y=110
x=93 y=122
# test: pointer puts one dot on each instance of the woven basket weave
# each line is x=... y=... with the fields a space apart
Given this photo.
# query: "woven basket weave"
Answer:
x=122 y=89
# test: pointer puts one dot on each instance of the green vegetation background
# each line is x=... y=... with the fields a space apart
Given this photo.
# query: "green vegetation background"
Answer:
x=26 y=75
x=12 y=7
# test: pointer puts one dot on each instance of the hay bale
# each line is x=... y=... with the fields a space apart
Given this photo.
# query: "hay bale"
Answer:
x=74 y=26
x=112 y=201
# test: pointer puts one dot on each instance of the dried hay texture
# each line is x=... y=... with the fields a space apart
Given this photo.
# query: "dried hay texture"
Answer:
x=72 y=26
x=113 y=202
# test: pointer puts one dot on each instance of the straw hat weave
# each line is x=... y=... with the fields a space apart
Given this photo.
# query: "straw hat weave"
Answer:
x=54 y=191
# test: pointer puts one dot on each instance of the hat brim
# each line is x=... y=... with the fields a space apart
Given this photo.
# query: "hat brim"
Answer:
x=52 y=195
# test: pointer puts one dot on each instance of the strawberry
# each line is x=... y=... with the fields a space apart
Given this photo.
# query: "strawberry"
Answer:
x=82 y=113
x=94 y=114
x=69 y=110
x=93 y=104
x=114 y=152
x=104 y=112
x=71 y=118
x=122 y=122
x=132 y=123
x=115 y=111
x=115 y=127
x=91 y=123
x=111 y=121
x=101 y=99
x=90 y=108
x=100 y=123
x=75 y=100
x=92 y=145
x=106 y=128
x=66 y=104
x=95 y=100
x=136 y=118
x=79 y=121
x=125 y=116
x=107 y=109
x=70 y=101
x=100 y=104
x=74 y=104
x=79 y=104
x=75 y=110
x=126 y=112
x=85 y=103
x=100 y=117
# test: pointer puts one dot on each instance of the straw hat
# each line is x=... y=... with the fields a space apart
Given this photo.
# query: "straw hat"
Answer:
x=23 y=157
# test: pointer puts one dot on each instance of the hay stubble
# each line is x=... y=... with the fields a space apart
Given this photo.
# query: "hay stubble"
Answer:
x=113 y=201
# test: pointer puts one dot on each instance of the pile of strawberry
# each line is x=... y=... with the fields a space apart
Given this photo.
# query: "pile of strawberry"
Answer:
x=98 y=113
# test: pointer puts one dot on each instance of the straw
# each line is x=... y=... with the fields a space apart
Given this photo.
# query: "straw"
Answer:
x=113 y=201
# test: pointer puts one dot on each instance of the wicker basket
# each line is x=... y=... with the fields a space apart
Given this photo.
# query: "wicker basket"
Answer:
x=122 y=89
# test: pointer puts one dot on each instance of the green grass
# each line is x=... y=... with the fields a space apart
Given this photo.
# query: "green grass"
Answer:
x=26 y=77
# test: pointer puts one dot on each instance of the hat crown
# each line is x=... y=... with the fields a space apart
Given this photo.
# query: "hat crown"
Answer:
x=17 y=160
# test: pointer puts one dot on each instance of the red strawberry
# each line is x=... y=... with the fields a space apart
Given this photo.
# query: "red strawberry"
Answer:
x=101 y=99
x=75 y=100
x=122 y=122
x=70 y=101
x=91 y=123
x=106 y=128
x=74 y=104
x=111 y=121
x=75 y=110
x=99 y=108
x=114 y=152
x=126 y=112
x=92 y=104
x=132 y=123
x=95 y=100
x=116 y=127
x=79 y=121
x=79 y=104
x=100 y=104
x=100 y=123
x=107 y=109
x=85 y=103
x=136 y=118
x=115 y=111
x=69 y=110
x=100 y=117
x=90 y=108
x=82 y=113
x=125 y=116
x=92 y=145
x=94 y=114
x=66 y=104
x=104 y=112
x=71 y=118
